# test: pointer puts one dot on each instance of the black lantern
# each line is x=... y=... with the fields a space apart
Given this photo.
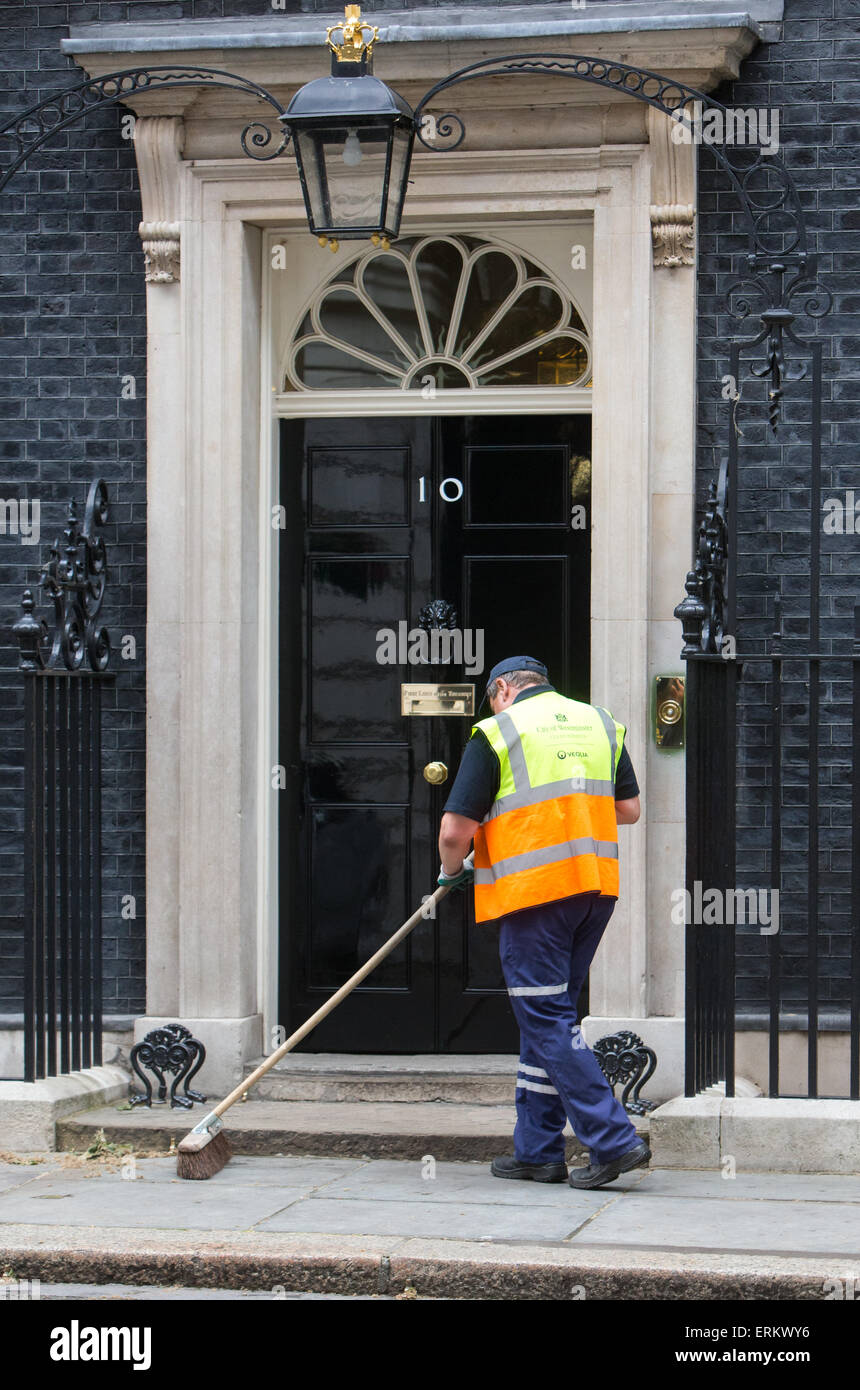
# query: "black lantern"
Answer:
x=353 y=139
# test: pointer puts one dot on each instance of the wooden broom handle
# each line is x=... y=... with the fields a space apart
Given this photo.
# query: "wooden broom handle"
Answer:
x=420 y=915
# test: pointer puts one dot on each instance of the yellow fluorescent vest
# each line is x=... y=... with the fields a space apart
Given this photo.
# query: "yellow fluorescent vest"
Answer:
x=551 y=830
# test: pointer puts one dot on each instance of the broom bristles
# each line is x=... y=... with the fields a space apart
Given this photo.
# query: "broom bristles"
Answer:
x=199 y=1163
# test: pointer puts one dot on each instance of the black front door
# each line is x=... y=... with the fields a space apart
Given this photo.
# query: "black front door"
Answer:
x=380 y=518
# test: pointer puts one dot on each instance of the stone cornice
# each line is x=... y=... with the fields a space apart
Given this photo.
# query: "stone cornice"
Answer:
x=485 y=23
x=699 y=42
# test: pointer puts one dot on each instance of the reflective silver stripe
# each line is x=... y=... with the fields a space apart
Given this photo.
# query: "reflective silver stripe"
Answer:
x=550 y=854
x=592 y=786
x=533 y=1071
x=535 y=1086
x=539 y=989
x=516 y=756
x=550 y=791
x=611 y=734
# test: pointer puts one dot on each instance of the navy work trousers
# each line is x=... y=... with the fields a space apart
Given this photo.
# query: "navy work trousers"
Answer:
x=545 y=953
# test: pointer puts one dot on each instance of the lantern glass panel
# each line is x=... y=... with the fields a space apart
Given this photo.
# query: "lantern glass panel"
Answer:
x=344 y=174
x=401 y=147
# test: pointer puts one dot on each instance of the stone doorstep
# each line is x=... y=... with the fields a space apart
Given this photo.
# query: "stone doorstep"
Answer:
x=30 y=1110
x=757 y=1134
x=371 y=1087
x=471 y=1270
x=321 y=1129
x=473 y=1080
x=480 y=1079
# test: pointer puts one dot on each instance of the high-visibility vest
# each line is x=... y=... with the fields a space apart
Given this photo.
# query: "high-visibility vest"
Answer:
x=551 y=831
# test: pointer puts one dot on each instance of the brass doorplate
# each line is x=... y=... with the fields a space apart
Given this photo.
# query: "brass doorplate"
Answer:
x=669 y=711
x=437 y=699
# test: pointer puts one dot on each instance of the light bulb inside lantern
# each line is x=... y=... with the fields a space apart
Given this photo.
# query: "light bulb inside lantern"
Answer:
x=352 y=154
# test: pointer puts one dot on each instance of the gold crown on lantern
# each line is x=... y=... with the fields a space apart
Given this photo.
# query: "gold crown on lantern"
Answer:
x=352 y=48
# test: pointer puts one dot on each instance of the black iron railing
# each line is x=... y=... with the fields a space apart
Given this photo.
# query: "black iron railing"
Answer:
x=711 y=703
x=792 y=699
x=818 y=883
x=62 y=761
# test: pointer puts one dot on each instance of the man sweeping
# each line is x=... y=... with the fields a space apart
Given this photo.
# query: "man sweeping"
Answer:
x=542 y=787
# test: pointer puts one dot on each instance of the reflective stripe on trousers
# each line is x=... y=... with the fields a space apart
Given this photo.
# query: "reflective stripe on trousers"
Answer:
x=559 y=1077
x=534 y=1079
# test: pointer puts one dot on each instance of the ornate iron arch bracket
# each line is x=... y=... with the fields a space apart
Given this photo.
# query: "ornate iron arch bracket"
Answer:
x=29 y=130
x=779 y=266
x=768 y=198
x=675 y=99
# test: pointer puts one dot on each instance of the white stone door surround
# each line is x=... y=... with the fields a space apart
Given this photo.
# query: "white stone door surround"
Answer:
x=212 y=555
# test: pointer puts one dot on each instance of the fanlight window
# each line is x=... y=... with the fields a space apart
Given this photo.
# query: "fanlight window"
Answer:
x=439 y=312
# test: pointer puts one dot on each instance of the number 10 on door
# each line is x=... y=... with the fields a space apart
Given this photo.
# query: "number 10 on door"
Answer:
x=450 y=489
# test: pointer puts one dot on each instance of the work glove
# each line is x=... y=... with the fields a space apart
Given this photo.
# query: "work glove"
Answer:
x=463 y=878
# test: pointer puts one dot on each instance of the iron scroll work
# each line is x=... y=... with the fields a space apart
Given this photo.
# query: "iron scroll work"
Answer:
x=779 y=268
x=703 y=614
x=73 y=578
x=627 y=1061
x=169 y=1049
x=29 y=130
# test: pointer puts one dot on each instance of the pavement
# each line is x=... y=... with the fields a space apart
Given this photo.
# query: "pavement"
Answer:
x=353 y=1226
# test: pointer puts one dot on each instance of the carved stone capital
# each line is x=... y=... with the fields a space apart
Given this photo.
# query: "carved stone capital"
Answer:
x=161 y=250
x=673 y=193
x=158 y=144
x=672 y=234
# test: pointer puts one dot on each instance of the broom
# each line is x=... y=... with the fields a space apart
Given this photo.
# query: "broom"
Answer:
x=206 y=1150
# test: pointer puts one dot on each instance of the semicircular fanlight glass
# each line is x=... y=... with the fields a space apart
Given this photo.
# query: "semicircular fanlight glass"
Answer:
x=454 y=311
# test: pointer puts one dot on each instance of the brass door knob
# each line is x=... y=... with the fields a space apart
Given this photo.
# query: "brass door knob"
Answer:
x=436 y=773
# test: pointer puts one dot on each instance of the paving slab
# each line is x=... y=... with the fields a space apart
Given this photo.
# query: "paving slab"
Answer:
x=110 y=1200
x=248 y=1171
x=471 y=1220
x=13 y=1174
x=394 y=1181
x=777 y=1187
x=690 y=1223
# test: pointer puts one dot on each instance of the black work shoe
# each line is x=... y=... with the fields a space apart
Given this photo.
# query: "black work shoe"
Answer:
x=596 y=1174
x=534 y=1172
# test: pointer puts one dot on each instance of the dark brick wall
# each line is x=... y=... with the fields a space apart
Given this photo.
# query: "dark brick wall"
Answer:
x=72 y=320
x=810 y=75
